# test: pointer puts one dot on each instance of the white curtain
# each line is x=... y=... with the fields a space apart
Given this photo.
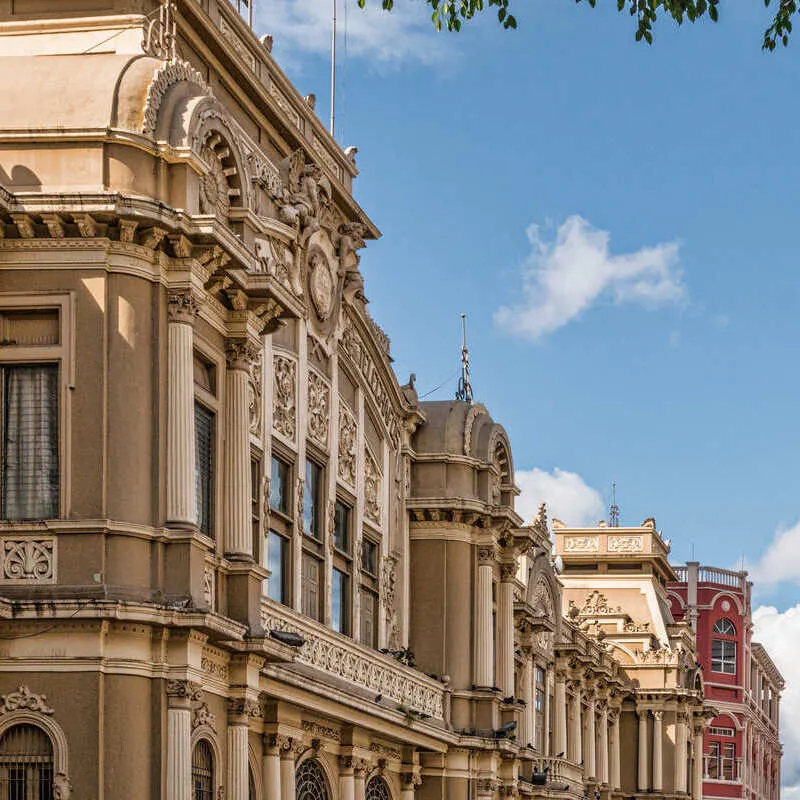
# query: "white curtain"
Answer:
x=30 y=442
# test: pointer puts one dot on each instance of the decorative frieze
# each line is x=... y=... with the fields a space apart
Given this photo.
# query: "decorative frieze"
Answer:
x=23 y=699
x=625 y=544
x=581 y=544
x=216 y=669
x=318 y=408
x=27 y=560
x=372 y=488
x=284 y=405
x=318 y=731
x=347 y=445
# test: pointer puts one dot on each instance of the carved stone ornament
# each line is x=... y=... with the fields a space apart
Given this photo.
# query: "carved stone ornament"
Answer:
x=28 y=560
x=23 y=699
x=541 y=598
x=389 y=598
x=347 y=445
x=160 y=34
x=208 y=585
x=184 y=690
x=174 y=71
x=254 y=384
x=241 y=354
x=203 y=716
x=62 y=787
x=596 y=604
x=486 y=554
x=318 y=408
x=372 y=488
x=624 y=544
x=213 y=186
x=508 y=571
x=182 y=306
x=321 y=284
x=581 y=544
x=284 y=406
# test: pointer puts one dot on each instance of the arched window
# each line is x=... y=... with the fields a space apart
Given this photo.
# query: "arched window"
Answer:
x=723 y=647
x=203 y=771
x=377 y=789
x=310 y=781
x=26 y=764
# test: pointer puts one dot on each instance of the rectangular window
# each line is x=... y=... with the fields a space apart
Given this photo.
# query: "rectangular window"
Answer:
x=340 y=611
x=728 y=762
x=30 y=463
x=369 y=619
x=312 y=587
x=255 y=505
x=277 y=560
x=311 y=500
x=538 y=706
x=341 y=527
x=369 y=556
x=279 y=486
x=712 y=761
x=204 y=466
x=723 y=656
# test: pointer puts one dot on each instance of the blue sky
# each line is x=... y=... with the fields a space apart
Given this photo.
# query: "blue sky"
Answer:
x=632 y=208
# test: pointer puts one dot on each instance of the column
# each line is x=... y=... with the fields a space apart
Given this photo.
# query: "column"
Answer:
x=560 y=700
x=271 y=768
x=602 y=750
x=505 y=625
x=642 y=784
x=287 y=769
x=590 y=760
x=182 y=310
x=697 y=764
x=526 y=693
x=179 y=739
x=544 y=747
x=576 y=732
x=658 y=747
x=238 y=788
x=238 y=527
x=484 y=640
x=680 y=752
x=615 y=751
x=347 y=786
x=359 y=779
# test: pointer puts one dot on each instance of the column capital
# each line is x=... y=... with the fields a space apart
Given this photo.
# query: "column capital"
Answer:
x=411 y=777
x=487 y=554
x=182 y=692
x=242 y=709
x=287 y=746
x=241 y=354
x=354 y=765
x=182 y=306
x=508 y=571
x=658 y=715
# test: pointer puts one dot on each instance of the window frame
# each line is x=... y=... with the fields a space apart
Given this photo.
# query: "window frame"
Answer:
x=725 y=663
x=60 y=354
x=342 y=562
x=210 y=401
x=33 y=771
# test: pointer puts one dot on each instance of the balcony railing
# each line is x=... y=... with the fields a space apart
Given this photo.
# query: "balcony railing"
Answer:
x=721 y=577
x=342 y=658
x=719 y=768
x=559 y=770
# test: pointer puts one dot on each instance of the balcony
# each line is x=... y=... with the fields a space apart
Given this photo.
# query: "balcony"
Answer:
x=560 y=773
x=364 y=668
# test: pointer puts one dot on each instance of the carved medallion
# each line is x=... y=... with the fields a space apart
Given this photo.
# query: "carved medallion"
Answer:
x=321 y=284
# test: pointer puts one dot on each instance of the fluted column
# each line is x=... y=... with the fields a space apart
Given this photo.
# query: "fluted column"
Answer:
x=182 y=310
x=560 y=700
x=526 y=693
x=589 y=759
x=287 y=770
x=346 y=779
x=271 y=768
x=238 y=788
x=602 y=749
x=411 y=779
x=179 y=739
x=359 y=779
x=680 y=752
x=642 y=783
x=484 y=639
x=238 y=524
x=505 y=633
x=658 y=751
x=697 y=764
x=615 y=752
x=576 y=720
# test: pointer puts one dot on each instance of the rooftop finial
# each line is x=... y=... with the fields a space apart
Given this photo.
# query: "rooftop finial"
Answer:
x=613 y=511
x=464 y=391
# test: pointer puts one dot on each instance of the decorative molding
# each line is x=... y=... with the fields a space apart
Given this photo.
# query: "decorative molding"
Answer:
x=625 y=544
x=255 y=385
x=486 y=554
x=321 y=731
x=241 y=354
x=23 y=699
x=318 y=408
x=348 y=438
x=182 y=306
x=174 y=71
x=214 y=668
x=203 y=716
x=27 y=560
x=581 y=544
x=284 y=404
x=372 y=488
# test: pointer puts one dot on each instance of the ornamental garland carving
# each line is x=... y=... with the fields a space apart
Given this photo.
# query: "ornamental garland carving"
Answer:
x=372 y=488
x=28 y=560
x=389 y=597
x=318 y=408
x=581 y=544
x=23 y=699
x=625 y=544
x=203 y=716
x=595 y=605
x=254 y=384
x=321 y=731
x=347 y=445
x=284 y=406
x=166 y=76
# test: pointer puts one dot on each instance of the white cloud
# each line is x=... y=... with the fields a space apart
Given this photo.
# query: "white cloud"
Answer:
x=568 y=498
x=561 y=279
x=781 y=560
x=779 y=632
x=406 y=33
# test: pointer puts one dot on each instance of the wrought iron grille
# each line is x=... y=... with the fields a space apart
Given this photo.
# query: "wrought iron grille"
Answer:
x=310 y=781
x=202 y=771
x=26 y=764
x=377 y=789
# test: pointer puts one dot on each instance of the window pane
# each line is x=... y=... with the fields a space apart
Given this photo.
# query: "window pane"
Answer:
x=204 y=465
x=30 y=479
x=369 y=627
x=279 y=486
x=724 y=627
x=339 y=612
x=311 y=587
x=311 y=500
x=277 y=551
x=369 y=556
x=341 y=529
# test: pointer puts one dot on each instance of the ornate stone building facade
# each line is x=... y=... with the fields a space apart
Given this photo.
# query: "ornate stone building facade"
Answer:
x=240 y=559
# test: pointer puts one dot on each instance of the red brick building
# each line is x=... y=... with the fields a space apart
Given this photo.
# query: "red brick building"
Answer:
x=741 y=746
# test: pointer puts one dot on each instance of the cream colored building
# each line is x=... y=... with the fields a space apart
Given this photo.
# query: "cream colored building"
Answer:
x=240 y=559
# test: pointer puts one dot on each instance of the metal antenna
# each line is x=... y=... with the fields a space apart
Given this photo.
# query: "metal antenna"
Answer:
x=464 y=391
x=613 y=511
x=333 y=70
